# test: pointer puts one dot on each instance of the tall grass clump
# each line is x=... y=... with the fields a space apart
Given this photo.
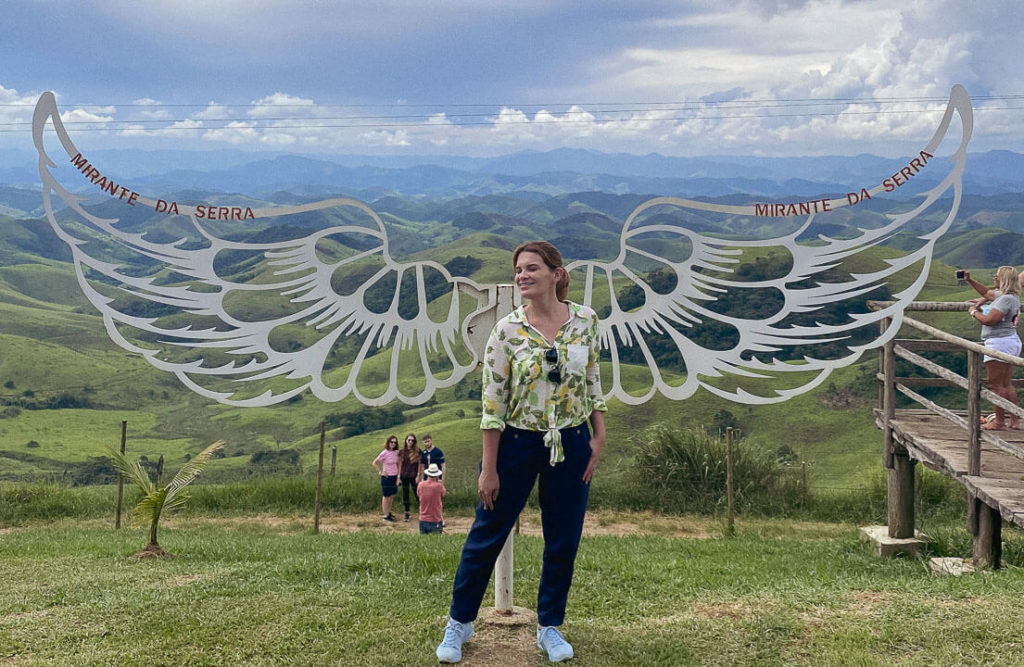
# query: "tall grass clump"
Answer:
x=344 y=493
x=23 y=502
x=866 y=505
x=685 y=469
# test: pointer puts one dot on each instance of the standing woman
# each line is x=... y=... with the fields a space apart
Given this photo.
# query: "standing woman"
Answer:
x=999 y=332
x=541 y=384
x=386 y=465
x=408 y=470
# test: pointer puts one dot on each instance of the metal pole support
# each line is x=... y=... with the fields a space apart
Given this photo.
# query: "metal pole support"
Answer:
x=478 y=330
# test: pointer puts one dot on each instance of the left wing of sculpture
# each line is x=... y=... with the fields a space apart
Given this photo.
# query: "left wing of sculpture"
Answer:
x=253 y=306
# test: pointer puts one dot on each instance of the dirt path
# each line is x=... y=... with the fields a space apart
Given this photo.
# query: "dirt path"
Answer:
x=596 y=523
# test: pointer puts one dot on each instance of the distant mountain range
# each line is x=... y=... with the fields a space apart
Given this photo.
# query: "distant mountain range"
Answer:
x=526 y=174
x=427 y=201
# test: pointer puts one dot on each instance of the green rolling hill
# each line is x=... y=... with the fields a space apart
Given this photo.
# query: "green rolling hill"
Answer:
x=65 y=387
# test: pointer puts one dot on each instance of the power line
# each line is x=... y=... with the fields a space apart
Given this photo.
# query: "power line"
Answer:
x=429 y=122
x=490 y=114
x=403 y=105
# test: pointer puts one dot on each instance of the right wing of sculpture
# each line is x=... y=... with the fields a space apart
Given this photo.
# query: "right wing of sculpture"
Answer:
x=760 y=321
x=313 y=300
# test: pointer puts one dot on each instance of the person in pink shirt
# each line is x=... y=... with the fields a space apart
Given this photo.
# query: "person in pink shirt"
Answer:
x=386 y=465
x=430 y=491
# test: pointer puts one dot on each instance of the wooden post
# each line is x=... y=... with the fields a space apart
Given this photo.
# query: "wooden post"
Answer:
x=973 y=413
x=988 y=543
x=898 y=464
x=900 y=487
x=972 y=515
x=803 y=479
x=973 y=440
x=319 y=481
x=881 y=367
x=730 y=526
x=120 y=477
x=334 y=458
x=888 y=395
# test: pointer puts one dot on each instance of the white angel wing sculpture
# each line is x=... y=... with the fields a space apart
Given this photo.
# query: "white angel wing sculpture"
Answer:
x=319 y=304
x=661 y=299
x=256 y=323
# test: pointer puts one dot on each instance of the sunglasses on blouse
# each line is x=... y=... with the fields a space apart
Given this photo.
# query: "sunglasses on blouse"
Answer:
x=551 y=356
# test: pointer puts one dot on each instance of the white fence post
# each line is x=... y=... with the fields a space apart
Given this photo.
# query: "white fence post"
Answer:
x=478 y=332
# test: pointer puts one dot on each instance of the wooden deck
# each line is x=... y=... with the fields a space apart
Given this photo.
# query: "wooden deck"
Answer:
x=942 y=446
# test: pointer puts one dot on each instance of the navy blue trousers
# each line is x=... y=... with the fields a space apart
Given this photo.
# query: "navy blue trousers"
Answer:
x=522 y=458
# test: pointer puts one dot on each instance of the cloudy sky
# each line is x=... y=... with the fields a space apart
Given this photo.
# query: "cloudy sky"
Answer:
x=677 y=77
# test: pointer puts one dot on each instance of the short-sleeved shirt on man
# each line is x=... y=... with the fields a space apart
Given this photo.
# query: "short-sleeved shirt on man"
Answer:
x=430 y=494
x=433 y=455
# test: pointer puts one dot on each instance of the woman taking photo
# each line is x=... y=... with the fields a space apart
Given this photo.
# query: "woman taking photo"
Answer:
x=541 y=384
x=408 y=470
x=999 y=333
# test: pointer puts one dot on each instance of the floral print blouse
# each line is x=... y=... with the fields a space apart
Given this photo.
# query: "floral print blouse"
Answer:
x=517 y=390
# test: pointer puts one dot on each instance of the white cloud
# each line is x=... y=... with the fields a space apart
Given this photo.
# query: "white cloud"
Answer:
x=157 y=112
x=235 y=132
x=213 y=111
x=84 y=116
x=278 y=103
x=15 y=111
x=727 y=66
x=277 y=139
x=386 y=138
x=136 y=130
x=187 y=124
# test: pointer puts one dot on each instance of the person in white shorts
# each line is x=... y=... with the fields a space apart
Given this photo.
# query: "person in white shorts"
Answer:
x=999 y=333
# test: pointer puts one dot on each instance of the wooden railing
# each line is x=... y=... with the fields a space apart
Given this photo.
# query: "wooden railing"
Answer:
x=982 y=521
x=947 y=342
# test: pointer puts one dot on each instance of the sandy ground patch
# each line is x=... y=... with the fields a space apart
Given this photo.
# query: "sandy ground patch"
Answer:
x=596 y=524
x=599 y=523
x=731 y=610
x=502 y=646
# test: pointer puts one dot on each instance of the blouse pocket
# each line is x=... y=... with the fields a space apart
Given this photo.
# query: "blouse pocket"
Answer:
x=576 y=358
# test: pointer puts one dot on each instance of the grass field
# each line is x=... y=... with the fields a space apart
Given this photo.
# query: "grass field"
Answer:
x=673 y=592
x=655 y=586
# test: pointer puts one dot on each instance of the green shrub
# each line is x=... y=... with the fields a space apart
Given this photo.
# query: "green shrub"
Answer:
x=687 y=469
x=274 y=462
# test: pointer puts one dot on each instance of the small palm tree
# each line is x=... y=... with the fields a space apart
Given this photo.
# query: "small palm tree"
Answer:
x=158 y=499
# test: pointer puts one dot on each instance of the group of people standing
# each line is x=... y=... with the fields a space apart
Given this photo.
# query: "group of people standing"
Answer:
x=420 y=472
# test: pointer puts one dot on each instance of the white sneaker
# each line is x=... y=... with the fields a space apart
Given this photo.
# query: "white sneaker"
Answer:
x=552 y=641
x=455 y=635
